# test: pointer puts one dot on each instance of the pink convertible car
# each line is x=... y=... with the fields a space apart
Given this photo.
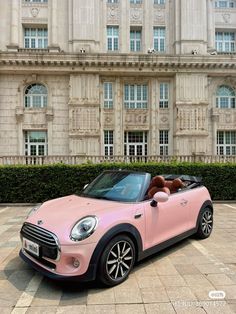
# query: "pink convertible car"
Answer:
x=118 y=219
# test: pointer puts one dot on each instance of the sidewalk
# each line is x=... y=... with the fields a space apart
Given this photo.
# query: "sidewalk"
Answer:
x=177 y=280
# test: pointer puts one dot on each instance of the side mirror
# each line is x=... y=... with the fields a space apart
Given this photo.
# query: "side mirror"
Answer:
x=159 y=197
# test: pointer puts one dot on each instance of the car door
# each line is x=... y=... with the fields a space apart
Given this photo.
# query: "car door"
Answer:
x=167 y=219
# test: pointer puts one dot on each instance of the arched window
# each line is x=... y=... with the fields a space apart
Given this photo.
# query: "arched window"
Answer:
x=36 y=96
x=225 y=97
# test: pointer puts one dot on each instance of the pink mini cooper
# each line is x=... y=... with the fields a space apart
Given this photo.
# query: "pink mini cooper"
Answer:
x=118 y=219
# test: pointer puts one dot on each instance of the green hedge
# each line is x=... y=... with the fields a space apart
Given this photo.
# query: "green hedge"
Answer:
x=39 y=183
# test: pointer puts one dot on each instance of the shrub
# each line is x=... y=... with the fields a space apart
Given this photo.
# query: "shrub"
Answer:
x=36 y=184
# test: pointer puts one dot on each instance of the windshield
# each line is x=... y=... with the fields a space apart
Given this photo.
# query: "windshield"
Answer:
x=116 y=186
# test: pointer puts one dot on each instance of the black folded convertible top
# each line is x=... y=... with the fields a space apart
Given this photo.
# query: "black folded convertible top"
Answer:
x=183 y=177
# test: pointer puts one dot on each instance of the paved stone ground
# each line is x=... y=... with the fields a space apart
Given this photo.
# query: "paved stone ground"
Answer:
x=177 y=280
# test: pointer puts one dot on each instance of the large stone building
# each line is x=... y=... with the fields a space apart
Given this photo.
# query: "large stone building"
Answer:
x=117 y=77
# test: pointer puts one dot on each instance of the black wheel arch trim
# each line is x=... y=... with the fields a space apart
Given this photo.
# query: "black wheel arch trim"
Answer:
x=208 y=204
x=125 y=228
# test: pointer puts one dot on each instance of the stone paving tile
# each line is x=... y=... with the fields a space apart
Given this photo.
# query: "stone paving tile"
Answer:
x=130 y=308
x=180 y=294
x=75 y=309
x=150 y=295
x=101 y=309
x=219 y=279
x=187 y=269
x=176 y=280
x=159 y=308
x=101 y=296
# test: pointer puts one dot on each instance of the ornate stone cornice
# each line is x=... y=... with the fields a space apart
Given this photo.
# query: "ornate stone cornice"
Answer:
x=42 y=60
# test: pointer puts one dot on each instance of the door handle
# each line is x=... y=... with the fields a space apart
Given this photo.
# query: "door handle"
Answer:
x=183 y=202
x=136 y=216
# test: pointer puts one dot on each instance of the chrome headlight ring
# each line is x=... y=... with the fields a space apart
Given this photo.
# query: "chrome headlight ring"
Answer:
x=84 y=228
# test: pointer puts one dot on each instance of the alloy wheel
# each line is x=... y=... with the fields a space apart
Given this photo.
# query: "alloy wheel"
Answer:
x=207 y=222
x=119 y=260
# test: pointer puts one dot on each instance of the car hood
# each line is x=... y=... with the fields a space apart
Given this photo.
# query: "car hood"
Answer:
x=60 y=215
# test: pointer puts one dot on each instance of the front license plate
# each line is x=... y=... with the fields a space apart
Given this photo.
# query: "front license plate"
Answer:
x=31 y=246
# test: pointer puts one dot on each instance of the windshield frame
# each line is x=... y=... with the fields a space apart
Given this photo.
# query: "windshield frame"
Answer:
x=146 y=178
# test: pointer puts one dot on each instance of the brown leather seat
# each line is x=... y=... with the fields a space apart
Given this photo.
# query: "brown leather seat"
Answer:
x=176 y=185
x=157 y=185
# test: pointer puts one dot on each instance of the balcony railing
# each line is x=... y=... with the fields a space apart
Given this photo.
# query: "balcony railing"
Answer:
x=81 y=159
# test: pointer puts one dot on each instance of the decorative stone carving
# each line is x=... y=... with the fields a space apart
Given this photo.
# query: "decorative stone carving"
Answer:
x=225 y=118
x=226 y=17
x=191 y=119
x=34 y=12
x=113 y=14
x=84 y=120
x=159 y=16
x=136 y=15
x=108 y=119
x=136 y=119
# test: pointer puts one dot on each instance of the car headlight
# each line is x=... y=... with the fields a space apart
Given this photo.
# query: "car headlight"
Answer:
x=84 y=228
x=33 y=210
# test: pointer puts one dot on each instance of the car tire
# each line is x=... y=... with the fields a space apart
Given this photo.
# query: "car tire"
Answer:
x=205 y=223
x=116 y=261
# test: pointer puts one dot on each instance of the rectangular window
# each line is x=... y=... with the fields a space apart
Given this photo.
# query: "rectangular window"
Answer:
x=159 y=39
x=112 y=1
x=226 y=143
x=135 y=143
x=225 y=4
x=164 y=95
x=112 y=38
x=135 y=96
x=36 y=38
x=135 y=40
x=108 y=143
x=164 y=142
x=136 y=1
x=108 y=95
x=36 y=143
x=159 y=1
x=225 y=41
x=35 y=0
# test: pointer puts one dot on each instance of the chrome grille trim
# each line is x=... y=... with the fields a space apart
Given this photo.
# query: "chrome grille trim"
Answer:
x=43 y=236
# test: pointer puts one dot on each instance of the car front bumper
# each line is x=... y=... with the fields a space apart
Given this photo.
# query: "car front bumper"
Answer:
x=73 y=263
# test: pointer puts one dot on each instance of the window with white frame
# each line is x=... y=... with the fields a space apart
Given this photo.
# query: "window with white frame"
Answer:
x=36 y=143
x=135 y=39
x=112 y=1
x=164 y=142
x=225 y=41
x=135 y=143
x=159 y=38
x=159 y=1
x=225 y=4
x=164 y=95
x=112 y=38
x=36 y=96
x=225 y=97
x=108 y=143
x=136 y=1
x=108 y=95
x=226 y=143
x=36 y=38
x=35 y=0
x=135 y=96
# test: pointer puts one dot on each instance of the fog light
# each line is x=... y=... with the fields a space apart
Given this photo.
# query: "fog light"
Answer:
x=76 y=263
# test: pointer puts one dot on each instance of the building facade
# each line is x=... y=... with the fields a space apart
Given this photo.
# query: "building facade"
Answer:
x=117 y=77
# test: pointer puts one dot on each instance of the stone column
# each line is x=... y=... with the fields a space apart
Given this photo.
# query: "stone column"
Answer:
x=210 y=25
x=54 y=27
x=14 y=39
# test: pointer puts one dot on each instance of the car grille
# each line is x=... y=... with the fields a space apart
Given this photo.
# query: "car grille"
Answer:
x=48 y=241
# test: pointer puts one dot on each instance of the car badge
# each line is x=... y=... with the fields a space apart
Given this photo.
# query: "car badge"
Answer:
x=39 y=222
